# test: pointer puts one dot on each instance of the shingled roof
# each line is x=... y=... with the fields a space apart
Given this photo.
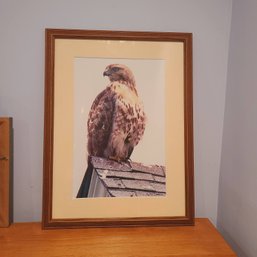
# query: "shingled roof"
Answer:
x=113 y=179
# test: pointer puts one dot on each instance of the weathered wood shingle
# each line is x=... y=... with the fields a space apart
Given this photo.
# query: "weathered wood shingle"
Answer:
x=129 y=179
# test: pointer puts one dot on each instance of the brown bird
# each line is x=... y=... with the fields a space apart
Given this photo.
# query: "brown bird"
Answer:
x=116 y=120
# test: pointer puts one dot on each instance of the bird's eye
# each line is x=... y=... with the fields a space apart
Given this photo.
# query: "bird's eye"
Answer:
x=115 y=69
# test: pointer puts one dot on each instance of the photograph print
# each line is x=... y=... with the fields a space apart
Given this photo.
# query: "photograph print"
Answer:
x=119 y=128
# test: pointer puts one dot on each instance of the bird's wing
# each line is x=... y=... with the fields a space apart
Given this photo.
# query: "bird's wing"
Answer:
x=100 y=122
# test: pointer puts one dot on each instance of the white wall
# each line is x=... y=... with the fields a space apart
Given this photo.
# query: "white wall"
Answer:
x=237 y=214
x=22 y=25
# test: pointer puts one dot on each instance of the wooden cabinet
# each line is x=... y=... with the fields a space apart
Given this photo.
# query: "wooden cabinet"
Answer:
x=28 y=239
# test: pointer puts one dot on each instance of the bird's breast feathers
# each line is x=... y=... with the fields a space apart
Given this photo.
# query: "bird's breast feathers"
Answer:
x=126 y=93
x=129 y=111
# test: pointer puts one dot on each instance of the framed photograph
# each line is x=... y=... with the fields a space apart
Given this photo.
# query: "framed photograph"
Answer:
x=118 y=133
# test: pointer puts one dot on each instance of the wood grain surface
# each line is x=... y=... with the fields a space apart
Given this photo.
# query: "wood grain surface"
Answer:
x=28 y=239
x=5 y=176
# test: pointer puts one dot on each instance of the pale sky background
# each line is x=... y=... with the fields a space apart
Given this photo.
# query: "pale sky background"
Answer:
x=89 y=82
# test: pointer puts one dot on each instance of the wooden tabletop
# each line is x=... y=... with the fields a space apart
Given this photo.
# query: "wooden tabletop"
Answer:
x=28 y=239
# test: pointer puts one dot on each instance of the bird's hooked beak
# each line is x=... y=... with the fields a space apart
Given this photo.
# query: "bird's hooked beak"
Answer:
x=106 y=73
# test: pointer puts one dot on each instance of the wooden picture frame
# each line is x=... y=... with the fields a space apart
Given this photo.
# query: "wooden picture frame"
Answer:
x=6 y=176
x=71 y=57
